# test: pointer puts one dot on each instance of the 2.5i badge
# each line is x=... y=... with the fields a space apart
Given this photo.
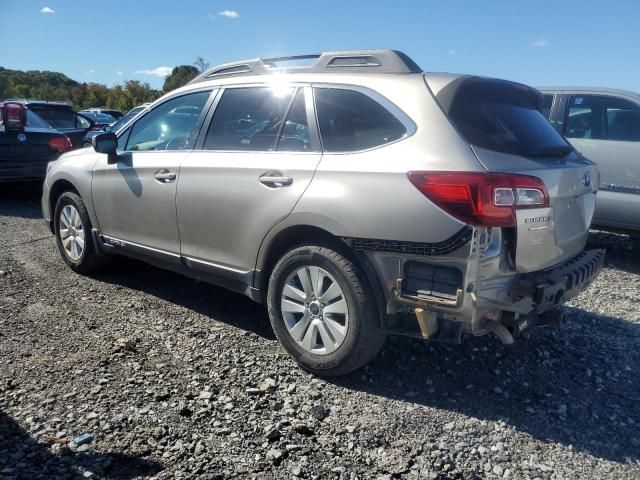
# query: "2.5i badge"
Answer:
x=22 y=137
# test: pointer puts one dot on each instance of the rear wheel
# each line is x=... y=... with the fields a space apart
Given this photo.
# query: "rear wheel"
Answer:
x=323 y=311
x=72 y=228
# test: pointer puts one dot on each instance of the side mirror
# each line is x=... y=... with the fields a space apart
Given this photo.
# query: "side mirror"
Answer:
x=106 y=143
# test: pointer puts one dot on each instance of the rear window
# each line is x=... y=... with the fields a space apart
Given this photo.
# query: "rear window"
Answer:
x=34 y=121
x=56 y=117
x=505 y=117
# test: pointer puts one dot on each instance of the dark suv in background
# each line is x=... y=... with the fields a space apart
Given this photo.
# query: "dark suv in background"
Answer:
x=27 y=144
x=61 y=117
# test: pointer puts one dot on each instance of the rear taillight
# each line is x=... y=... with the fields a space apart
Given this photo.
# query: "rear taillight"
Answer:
x=14 y=116
x=482 y=199
x=60 y=144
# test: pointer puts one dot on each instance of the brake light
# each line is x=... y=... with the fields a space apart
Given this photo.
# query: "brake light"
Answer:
x=482 y=199
x=14 y=116
x=60 y=144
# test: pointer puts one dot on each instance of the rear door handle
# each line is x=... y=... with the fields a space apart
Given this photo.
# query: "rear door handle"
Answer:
x=272 y=180
x=164 y=176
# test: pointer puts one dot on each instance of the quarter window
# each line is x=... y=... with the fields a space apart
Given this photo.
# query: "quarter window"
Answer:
x=546 y=107
x=250 y=119
x=602 y=118
x=169 y=126
x=350 y=121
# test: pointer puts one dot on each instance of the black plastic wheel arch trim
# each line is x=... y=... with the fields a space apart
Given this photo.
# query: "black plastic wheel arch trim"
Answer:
x=457 y=240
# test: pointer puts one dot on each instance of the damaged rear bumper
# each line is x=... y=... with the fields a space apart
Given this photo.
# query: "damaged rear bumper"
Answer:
x=553 y=287
x=444 y=298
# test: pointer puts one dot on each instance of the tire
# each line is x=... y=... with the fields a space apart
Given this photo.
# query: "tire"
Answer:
x=355 y=337
x=71 y=212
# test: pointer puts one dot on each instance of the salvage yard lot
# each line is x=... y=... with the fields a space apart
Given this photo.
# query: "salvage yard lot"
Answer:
x=180 y=379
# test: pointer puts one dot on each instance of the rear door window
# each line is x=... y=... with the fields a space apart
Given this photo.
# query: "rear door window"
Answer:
x=250 y=119
x=602 y=117
x=505 y=117
x=350 y=121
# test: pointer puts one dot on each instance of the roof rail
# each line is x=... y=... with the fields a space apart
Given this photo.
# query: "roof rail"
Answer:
x=379 y=61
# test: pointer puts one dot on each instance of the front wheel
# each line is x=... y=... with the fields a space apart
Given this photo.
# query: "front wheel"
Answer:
x=323 y=311
x=72 y=228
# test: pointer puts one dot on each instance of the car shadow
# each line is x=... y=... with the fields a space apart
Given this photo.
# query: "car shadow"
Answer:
x=201 y=297
x=22 y=457
x=20 y=200
x=575 y=385
x=623 y=250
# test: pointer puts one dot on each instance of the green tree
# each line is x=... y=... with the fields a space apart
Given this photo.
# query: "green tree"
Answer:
x=53 y=86
x=96 y=95
x=180 y=76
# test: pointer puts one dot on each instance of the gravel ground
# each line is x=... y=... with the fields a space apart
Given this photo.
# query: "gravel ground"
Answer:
x=180 y=379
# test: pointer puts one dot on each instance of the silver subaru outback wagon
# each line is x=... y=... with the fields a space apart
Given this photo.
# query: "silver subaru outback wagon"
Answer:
x=356 y=196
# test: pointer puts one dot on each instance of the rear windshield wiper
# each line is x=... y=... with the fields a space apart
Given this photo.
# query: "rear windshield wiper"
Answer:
x=554 y=151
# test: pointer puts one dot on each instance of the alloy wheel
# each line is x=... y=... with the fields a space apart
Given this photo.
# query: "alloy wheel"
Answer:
x=72 y=233
x=315 y=310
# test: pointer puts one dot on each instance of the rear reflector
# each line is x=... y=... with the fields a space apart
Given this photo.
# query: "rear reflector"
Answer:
x=60 y=144
x=482 y=199
x=14 y=116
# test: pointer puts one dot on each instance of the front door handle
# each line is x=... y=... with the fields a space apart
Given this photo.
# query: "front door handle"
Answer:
x=275 y=180
x=164 y=176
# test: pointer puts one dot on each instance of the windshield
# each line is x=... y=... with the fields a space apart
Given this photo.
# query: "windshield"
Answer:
x=505 y=117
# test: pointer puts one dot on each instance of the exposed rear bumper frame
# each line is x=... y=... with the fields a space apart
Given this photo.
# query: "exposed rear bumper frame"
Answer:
x=551 y=288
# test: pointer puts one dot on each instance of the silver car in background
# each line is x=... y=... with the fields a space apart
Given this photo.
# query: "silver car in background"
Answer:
x=604 y=125
x=356 y=196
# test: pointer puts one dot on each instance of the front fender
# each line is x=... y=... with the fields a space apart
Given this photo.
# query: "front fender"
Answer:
x=76 y=170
